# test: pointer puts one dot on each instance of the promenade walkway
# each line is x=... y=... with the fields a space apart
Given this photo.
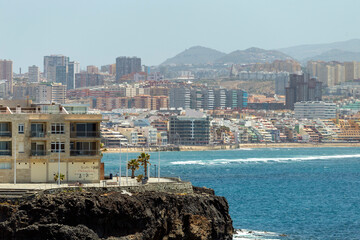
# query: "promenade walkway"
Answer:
x=103 y=183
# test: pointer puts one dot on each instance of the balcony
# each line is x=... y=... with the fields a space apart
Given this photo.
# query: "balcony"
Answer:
x=38 y=153
x=6 y=152
x=83 y=152
x=86 y=134
x=37 y=134
x=5 y=133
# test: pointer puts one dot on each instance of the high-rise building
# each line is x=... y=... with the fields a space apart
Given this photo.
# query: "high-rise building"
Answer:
x=127 y=65
x=92 y=69
x=50 y=64
x=302 y=88
x=105 y=68
x=34 y=74
x=281 y=82
x=73 y=68
x=220 y=98
x=236 y=98
x=62 y=74
x=196 y=98
x=6 y=73
x=329 y=73
x=352 y=70
x=179 y=98
x=207 y=98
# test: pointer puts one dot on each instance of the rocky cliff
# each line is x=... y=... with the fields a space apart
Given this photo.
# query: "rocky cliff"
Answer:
x=108 y=214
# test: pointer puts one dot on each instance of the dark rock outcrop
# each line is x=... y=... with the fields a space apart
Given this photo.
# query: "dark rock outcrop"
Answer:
x=112 y=215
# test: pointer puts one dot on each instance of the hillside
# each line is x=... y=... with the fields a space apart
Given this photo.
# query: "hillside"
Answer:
x=253 y=55
x=336 y=55
x=195 y=55
x=309 y=51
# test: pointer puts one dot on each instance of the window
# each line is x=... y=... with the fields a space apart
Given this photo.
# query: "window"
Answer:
x=5 y=129
x=55 y=146
x=5 y=165
x=57 y=128
x=21 y=128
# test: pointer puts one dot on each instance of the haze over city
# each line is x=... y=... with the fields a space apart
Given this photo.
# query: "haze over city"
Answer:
x=96 y=32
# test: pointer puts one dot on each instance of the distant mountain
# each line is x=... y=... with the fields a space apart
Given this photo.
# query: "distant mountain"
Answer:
x=336 y=55
x=252 y=55
x=303 y=52
x=195 y=55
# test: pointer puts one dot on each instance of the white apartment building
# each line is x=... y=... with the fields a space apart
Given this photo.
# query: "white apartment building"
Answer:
x=313 y=110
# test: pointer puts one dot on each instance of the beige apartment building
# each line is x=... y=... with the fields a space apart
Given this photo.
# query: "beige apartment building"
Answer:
x=332 y=73
x=33 y=137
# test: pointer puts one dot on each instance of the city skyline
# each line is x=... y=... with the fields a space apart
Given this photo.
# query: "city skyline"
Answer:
x=91 y=32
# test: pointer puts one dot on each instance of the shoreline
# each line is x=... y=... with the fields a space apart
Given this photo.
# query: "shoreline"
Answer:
x=231 y=147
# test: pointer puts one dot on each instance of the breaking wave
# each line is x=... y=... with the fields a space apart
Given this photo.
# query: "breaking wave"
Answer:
x=245 y=234
x=246 y=160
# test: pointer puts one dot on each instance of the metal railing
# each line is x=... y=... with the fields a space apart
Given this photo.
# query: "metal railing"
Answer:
x=38 y=153
x=84 y=152
x=5 y=133
x=85 y=134
x=37 y=134
x=5 y=152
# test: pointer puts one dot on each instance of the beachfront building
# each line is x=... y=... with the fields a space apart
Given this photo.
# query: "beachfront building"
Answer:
x=193 y=128
x=36 y=138
x=313 y=110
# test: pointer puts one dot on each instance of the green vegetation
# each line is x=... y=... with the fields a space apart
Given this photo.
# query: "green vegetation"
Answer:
x=62 y=177
x=144 y=159
x=133 y=165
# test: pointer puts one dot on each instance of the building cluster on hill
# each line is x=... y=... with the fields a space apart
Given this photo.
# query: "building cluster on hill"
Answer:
x=147 y=108
x=334 y=73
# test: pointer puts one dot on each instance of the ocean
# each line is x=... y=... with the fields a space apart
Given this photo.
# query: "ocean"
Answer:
x=273 y=193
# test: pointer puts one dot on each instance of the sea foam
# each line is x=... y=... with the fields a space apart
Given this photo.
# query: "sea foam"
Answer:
x=245 y=234
x=247 y=160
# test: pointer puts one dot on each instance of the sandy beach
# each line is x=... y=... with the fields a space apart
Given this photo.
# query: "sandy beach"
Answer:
x=229 y=147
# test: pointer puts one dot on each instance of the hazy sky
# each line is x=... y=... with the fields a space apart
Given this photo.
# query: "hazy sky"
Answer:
x=96 y=32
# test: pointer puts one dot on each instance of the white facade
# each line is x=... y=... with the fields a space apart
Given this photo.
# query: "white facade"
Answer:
x=313 y=110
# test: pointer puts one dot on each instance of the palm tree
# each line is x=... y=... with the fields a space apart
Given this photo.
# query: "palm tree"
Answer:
x=134 y=165
x=144 y=159
x=62 y=177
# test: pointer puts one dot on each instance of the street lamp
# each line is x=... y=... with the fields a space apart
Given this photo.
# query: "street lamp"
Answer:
x=127 y=162
x=120 y=162
x=15 y=161
x=59 y=146
x=159 y=166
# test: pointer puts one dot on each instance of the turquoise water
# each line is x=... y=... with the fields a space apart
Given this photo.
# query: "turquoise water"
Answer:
x=304 y=193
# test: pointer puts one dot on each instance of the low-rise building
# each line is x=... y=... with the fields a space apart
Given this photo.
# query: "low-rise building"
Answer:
x=313 y=110
x=36 y=138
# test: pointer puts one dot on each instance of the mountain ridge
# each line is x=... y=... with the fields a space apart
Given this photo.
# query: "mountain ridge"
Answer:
x=194 y=55
x=306 y=51
x=204 y=55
